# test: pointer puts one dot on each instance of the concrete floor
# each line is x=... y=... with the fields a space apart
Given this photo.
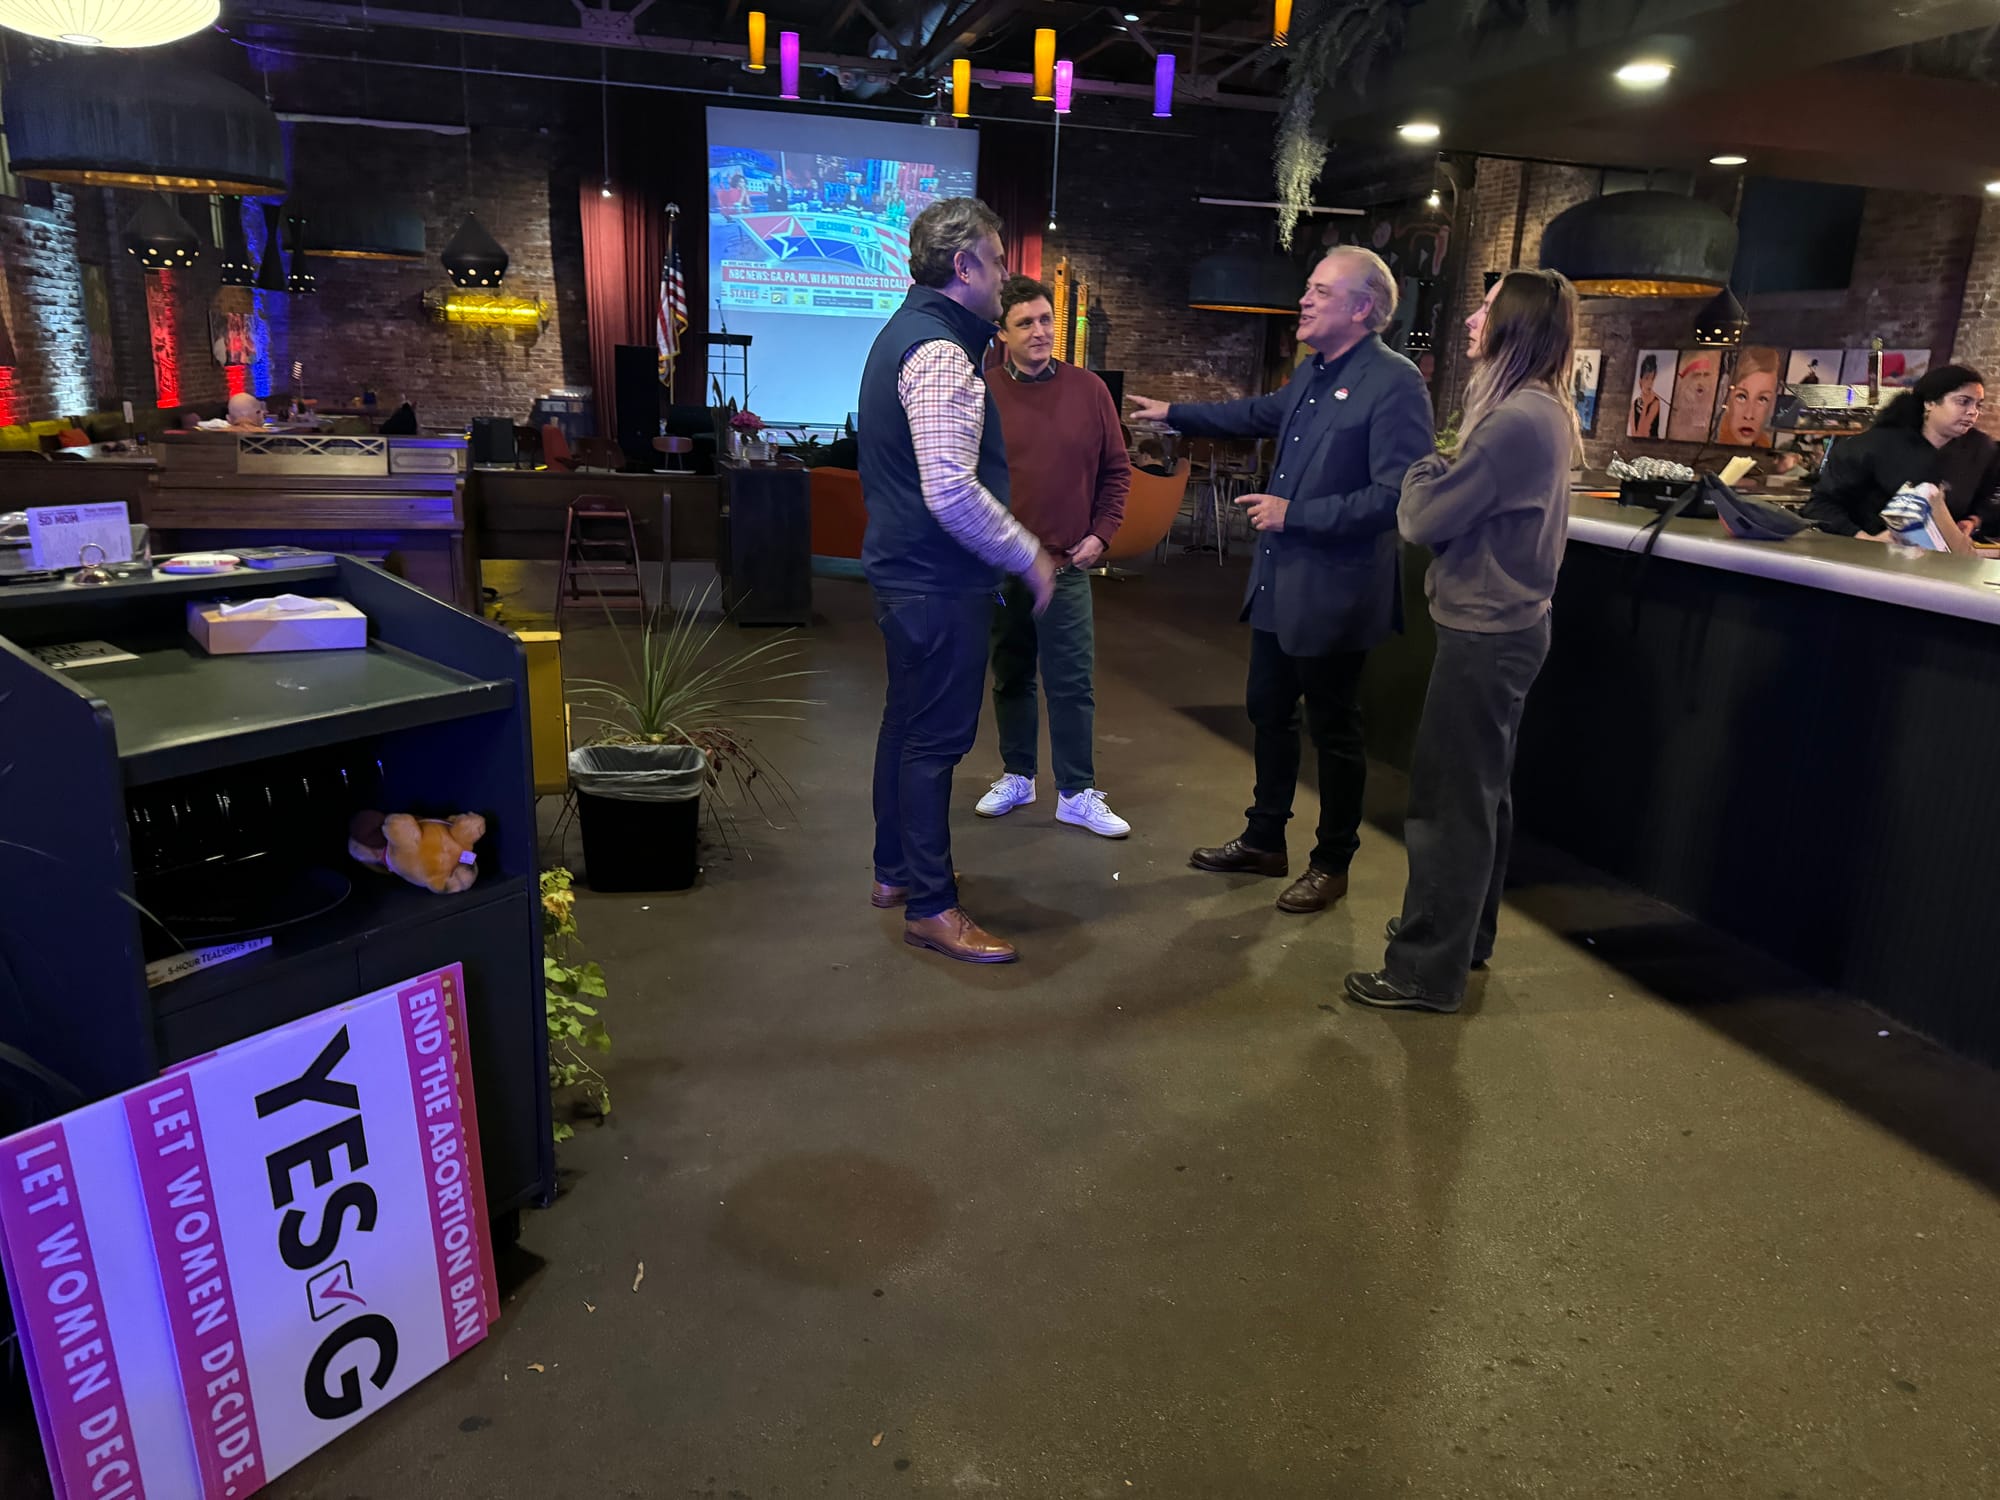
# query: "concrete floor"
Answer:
x=1155 y=1212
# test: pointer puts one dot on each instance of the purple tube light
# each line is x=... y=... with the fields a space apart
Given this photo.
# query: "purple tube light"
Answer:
x=788 y=65
x=1163 y=86
x=1065 y=84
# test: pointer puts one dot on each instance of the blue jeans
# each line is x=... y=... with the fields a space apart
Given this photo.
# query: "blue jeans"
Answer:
x=1064 y=642
x=937 y=671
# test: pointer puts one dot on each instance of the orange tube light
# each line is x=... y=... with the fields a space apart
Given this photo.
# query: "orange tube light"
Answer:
x=756 y=64
x=961 y=88
x=1045 y=64
x=1281 y=24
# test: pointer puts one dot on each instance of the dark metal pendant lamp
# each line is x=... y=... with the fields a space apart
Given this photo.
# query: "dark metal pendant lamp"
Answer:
x=1252 y=281
x=1643 y=244
x=474 y=258
x=160 y=237
x=122 y=121
x=271 y=274
x=301 y=282
x=236 y=266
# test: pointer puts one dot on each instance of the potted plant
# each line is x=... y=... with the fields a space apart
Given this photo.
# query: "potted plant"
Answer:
x=749 y=428
x=670 y=729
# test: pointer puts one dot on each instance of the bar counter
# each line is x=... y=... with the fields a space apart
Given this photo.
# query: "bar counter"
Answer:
x=1793 y=742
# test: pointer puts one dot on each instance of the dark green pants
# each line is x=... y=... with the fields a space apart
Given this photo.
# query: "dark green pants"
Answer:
x=1063 y=644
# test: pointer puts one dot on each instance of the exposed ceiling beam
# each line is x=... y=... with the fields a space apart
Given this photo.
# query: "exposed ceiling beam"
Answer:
x=959 y=32
x=348 y=17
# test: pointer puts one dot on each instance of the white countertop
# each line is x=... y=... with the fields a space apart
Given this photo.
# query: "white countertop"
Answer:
x=1941 y=582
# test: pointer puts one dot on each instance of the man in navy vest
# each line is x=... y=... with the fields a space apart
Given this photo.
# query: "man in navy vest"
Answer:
x=939 y=540
x=1326 y=581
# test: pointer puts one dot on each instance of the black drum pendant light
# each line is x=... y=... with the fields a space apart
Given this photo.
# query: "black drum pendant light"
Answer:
x=1643 y=244
x=474 y=258
x=160 y=237
x=358 y=229
x=271 y=274
x=117 y=121
x=1249 y=281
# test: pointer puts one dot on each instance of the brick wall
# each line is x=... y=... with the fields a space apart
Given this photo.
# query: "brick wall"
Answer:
x=1127 y=220
x=44 y=301
x=367 y=323
x=1910 y=280
x=1978 y=341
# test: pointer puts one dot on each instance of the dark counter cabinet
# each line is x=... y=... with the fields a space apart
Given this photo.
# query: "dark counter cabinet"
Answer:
x=434 y=710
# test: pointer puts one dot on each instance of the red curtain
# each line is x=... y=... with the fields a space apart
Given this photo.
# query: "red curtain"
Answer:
x=1014 y=182
x=625 y=244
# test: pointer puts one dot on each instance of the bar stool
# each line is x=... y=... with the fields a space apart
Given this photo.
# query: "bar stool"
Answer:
x=600 y=547
x=675 y=450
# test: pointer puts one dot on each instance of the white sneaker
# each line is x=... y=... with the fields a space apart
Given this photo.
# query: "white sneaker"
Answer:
x=1006 y=794
x=1087 y=810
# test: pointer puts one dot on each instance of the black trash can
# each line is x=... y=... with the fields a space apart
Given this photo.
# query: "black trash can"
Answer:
x=640 y=808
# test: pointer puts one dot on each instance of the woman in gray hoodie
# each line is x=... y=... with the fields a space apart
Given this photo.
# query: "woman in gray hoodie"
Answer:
x=1495 y=519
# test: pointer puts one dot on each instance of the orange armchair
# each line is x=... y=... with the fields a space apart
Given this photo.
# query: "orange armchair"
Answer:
x=839 y=516
x=1149 y=513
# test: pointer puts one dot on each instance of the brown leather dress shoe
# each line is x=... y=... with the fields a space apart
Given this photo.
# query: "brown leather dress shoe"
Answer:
x=956 y=935
x=1315 y=890
x=1238 y=858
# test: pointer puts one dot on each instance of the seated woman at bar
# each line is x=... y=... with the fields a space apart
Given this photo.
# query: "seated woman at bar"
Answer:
x=1926 y=435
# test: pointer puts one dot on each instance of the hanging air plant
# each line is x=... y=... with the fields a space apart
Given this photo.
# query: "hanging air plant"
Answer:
x=1339 y=44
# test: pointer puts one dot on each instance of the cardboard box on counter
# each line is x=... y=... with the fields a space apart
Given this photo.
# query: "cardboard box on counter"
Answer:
x=288 y=622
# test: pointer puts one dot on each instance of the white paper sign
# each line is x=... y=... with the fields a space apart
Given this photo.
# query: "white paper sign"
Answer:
x=220 y=1271
x=59 y=533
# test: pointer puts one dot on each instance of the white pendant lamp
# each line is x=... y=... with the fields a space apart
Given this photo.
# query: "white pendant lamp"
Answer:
x=110 y=23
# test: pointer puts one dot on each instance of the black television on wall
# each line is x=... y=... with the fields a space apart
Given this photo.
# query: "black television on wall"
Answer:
x=1796 y=236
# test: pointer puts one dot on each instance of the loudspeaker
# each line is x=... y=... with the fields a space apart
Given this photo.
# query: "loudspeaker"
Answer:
x=493 y=441
x=641 y=402
x=1114 y=381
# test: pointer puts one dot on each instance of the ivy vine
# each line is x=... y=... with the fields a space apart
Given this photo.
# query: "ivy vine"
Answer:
x=570 y=984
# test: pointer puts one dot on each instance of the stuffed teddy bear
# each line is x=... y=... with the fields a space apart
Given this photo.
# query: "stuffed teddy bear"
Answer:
x=435 y=853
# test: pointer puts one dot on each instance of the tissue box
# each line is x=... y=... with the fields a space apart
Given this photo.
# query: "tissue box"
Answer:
x=287 y=623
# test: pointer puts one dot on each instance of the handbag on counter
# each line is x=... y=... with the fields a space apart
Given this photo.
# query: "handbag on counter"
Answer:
x=1748 y=518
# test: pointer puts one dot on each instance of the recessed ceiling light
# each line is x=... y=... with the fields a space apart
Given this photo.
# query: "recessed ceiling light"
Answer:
x=1131 y=15
x=1419 y=130
x=1646 y=74
x=1727 y=161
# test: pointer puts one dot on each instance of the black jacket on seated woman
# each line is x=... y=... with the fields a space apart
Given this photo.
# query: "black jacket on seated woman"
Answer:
x=1926 y=435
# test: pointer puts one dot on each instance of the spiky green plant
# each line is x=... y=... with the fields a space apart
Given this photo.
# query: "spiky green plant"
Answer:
x=683 y=687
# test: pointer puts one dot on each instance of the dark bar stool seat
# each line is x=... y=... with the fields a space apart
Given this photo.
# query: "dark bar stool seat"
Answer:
x=676 y=450
x=600 y=558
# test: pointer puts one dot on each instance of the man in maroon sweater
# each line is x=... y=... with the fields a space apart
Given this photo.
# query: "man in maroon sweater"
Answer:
x=1070 y=476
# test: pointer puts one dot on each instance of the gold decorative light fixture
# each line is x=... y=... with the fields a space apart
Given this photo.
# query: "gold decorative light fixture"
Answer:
x=961 y=88
x=1281 y=24
x=487 y=309
x=756 y=60
x=1045 y=64
x=109 y=23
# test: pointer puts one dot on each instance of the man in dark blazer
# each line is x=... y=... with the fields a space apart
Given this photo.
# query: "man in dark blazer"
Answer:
x=1326 y=584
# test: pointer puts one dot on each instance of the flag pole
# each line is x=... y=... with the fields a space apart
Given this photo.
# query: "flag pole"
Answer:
x=673 y=211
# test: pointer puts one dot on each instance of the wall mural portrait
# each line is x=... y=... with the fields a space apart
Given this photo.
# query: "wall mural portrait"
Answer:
x=1696 y=375
x=1751 y=398
x=1814 y=367
x=1652 y=405
x=1586 y=373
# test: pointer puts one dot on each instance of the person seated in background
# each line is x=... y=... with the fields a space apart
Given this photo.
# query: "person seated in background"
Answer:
x=402 y=422
x=245 y=412
x=1151 y=458
x=1925 y=435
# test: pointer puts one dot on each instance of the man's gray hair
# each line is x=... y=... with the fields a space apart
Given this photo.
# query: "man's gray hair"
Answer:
x=1378 y=284
x=941 y=231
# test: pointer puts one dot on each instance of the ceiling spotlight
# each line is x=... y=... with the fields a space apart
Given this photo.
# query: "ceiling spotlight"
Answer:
x=1646 y=74
x=1994 y=188
x=1419 y=130
x=1131 y=15
x=605 y=191
x=1727 y=161
x=1434 y=200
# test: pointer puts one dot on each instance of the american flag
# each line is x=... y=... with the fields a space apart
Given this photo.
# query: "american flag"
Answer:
x=673 y=316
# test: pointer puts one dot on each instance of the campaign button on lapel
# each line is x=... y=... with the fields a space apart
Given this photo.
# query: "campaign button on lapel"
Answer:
x=1341 y=394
